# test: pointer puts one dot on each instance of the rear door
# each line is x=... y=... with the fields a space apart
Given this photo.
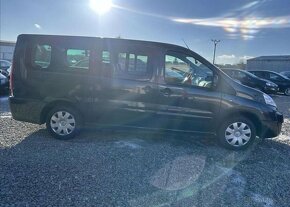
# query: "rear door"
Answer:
x=187 y=96
x=124 y=88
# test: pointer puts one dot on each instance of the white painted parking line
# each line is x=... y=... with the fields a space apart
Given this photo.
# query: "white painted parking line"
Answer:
x=5 y=116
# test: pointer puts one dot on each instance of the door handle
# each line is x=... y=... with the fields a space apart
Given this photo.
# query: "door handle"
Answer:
x=166 y=91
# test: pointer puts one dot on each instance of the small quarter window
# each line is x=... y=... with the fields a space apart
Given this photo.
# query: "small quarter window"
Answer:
x=77 y=58
x=122 y=61
x=42 y=56
x=131 y=62
x=141 y=64
x=106 y=57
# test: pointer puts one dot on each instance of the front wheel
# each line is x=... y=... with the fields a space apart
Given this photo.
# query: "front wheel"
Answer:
x=237 y=133
x=63 y=122
x=287 y=92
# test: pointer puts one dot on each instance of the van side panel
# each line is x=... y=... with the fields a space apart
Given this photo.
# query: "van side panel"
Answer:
x=37 y=84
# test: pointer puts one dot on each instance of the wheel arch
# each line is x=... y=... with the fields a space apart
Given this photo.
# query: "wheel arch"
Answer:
x=249 y=115
x=57 y=103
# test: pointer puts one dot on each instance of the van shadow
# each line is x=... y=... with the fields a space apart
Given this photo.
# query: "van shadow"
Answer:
x=116 y=167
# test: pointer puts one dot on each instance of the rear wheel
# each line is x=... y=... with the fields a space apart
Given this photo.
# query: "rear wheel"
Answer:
x=287 y=92
x=237 y=133
x=63 y=122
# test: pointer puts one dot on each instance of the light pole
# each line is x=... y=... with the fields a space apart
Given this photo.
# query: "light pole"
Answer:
x=215 y=42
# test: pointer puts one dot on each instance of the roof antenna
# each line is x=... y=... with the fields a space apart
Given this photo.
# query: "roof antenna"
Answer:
x=185 y=43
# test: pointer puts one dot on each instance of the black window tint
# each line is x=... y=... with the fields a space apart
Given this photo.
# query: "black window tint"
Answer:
x=42 y=55
x=259 y=74
x=77 y=58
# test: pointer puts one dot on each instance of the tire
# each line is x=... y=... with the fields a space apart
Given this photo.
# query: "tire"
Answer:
x=240 y=129
x=63 y=123
x=287 y=92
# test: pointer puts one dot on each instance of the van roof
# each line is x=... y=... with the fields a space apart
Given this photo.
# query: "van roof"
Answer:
x=160 y=44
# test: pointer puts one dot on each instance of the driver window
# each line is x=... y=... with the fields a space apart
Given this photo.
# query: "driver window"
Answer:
x=175 y=69
x=181 y=69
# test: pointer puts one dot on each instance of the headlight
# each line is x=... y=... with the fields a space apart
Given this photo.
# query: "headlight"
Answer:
x=269 y=100
x=270 y=84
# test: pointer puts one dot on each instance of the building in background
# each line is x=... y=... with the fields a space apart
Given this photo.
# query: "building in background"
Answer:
x=273 y=63
x=6 y=50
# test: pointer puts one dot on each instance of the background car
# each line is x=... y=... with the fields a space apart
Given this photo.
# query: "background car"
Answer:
x=5 y=64
x=4 y=72
x=286 y=73
x=251 y=80
x=282 y=81
x=4 y=84
x=9 y=71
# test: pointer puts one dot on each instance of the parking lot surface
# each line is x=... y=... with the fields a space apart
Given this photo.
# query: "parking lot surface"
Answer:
x=139 y=168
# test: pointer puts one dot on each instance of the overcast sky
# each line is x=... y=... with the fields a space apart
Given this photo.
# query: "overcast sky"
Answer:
x=246 y=28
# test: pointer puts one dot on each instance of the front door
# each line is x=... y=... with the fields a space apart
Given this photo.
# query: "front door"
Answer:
x=187 y=96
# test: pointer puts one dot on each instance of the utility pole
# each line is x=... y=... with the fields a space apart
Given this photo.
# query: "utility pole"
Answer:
x=215 y=42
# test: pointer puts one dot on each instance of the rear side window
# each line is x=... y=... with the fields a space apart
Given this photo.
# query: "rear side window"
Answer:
x=128 y=61
x=77 y=58
x=259 y=74
x=138 y=63
x=42 y=56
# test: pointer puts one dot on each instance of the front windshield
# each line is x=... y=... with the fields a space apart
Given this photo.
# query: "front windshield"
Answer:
x=283 y=76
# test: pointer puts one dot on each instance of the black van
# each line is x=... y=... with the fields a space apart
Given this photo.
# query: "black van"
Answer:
x=67 y=82
x=253 y=81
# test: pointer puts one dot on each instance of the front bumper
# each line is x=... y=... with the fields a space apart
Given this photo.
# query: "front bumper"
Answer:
x=272 y=128
x=271 y=89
